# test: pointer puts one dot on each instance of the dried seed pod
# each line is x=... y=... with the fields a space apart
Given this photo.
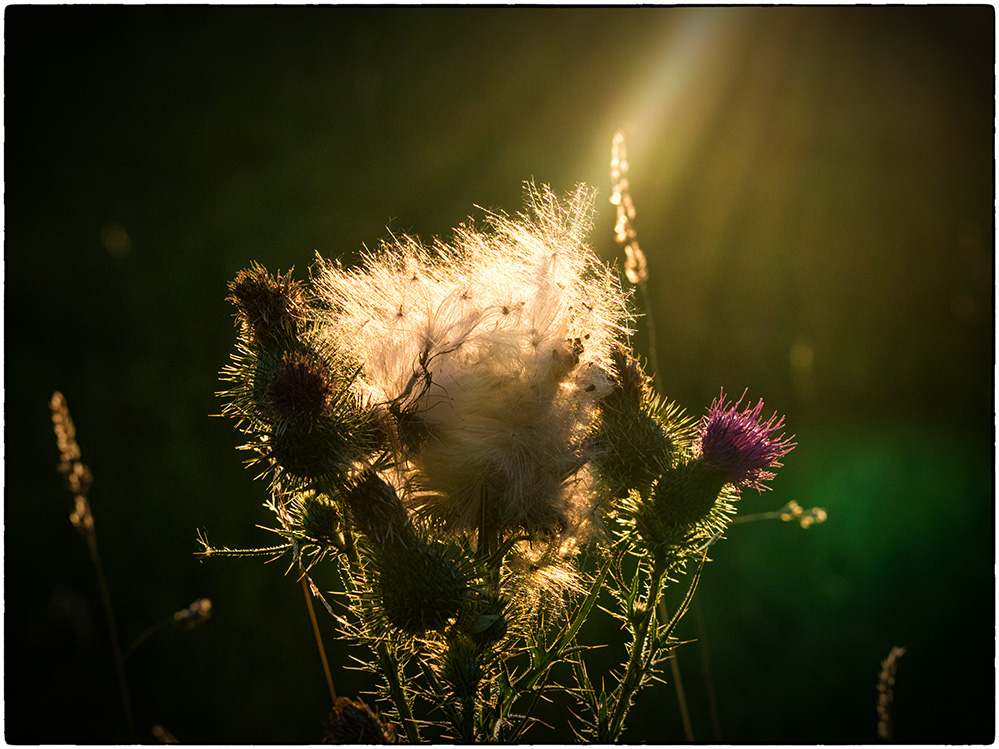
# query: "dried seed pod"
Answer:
x=353 y=722
x=269 y=307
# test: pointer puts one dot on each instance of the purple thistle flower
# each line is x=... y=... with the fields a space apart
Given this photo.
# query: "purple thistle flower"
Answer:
x=741 y=444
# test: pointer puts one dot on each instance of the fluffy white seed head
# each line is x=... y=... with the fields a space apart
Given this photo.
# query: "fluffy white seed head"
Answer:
x=487 y=356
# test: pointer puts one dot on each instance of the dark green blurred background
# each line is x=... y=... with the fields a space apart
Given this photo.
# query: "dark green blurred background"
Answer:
x=815 y=196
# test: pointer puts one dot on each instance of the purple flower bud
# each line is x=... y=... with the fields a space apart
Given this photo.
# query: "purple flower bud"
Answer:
x=300 y=390
x=740 y=443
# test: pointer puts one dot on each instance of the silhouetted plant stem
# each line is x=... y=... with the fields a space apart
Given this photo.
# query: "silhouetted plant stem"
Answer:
x=188 y=618
x=674 y=664
x=650 y=325
x=716 y=732
x=119 y=660
x=161 y=624
x=468 y=719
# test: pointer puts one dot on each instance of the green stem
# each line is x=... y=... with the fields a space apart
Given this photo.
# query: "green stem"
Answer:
x=539 y=687
x=488 y=542
x=485 y=532
x=638 y=662
x=390 y=670
x=468 y=719
x=543 y=659
x=494 y=707
x=438 y=690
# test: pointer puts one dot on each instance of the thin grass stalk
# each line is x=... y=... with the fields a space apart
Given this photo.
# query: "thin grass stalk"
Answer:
x=319 y=638
x=162 y=624
x=681 y=694
x=716 y=732
x=79 y=478
x=119 y=659
x=637 y=271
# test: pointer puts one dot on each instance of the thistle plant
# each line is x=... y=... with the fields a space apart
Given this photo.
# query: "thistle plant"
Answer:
x=464 y=433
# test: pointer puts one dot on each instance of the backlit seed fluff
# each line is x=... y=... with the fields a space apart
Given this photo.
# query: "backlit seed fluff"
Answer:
x=487 y=357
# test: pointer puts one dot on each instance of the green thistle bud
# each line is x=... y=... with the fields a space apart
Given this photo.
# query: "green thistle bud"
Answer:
x=682 y=498
x=636 y=434
x=631 y=384
x=320 y=520
x=377 y=512
x=322 y=452
x=299 y=412
x=462 y=669
x=421 y=589
x=353 y=722
x=269 y=308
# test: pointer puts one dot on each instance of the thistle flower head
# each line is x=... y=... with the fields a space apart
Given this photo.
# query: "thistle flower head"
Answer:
x=488 y=358
x=741 y=443
x=299 y=391
x=268 y=307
